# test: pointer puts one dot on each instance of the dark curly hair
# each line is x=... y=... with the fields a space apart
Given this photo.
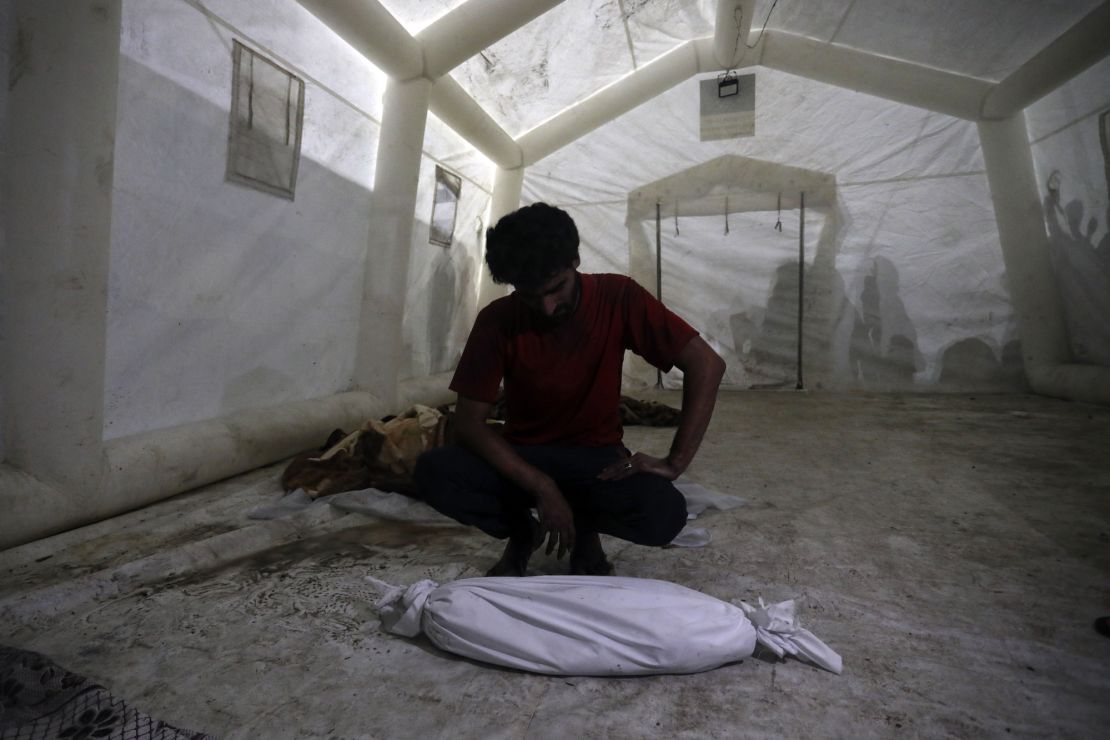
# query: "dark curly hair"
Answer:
x=529 y=245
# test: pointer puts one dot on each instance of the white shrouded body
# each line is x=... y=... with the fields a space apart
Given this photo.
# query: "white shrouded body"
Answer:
x=594 y=626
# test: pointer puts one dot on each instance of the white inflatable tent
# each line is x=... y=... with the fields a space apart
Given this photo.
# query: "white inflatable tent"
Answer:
x=165 y=326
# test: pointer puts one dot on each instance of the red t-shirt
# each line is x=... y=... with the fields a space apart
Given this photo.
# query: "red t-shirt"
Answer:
x=562 y=384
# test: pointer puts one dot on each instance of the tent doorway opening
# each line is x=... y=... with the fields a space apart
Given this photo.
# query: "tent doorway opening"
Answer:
x=722 y=243
x=742 y=290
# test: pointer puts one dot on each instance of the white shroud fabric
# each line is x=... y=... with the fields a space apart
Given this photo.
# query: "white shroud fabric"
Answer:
x=593 y=626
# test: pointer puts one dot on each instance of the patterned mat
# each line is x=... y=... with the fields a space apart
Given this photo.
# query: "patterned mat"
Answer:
x=39 y=700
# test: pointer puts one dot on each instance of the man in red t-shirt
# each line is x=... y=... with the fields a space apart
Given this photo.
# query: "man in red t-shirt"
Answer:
x=557 y=343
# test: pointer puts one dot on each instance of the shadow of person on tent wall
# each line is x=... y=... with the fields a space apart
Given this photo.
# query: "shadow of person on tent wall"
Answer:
x=442 y=296
x=971 y=364
x=883 y=351
x=878 y=340
x=1082 y=266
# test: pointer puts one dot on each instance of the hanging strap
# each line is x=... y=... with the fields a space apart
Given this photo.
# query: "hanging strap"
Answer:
x=726 y=215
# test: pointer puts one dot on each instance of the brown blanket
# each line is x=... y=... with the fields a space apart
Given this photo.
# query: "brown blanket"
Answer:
x=379 y=455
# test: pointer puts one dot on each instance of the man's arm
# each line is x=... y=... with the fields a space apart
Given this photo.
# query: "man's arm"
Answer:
x=555 y=514
x=702 y=372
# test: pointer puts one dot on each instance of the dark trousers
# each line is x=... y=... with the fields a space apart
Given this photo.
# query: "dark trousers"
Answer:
x=642 y=508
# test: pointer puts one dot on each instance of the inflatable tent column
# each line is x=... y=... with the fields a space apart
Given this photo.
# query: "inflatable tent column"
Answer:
x=54 y=282
x=393 y=204
x=1029 y=272
x=507 y=186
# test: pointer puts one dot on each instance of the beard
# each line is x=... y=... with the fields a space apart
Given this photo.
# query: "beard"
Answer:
x=564 y=311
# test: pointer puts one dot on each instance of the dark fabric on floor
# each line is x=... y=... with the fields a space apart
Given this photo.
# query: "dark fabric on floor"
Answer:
x=40 y=700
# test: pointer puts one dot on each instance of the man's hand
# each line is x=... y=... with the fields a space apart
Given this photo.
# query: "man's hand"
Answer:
x=640 y=463
x=557 y=520
x=556 y=516
x=702 y=372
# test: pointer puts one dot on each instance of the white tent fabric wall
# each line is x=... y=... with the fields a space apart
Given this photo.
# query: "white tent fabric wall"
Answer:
x=224 y=298
x=915 y=249
x=1064 y=128
x=442 y=291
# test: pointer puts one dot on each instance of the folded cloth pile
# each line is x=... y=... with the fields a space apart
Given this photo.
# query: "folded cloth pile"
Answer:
x=380 y=454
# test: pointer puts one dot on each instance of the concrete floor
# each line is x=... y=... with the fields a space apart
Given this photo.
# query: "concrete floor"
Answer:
x=954 y=549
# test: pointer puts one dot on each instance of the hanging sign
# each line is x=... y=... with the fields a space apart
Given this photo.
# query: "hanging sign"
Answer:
x=727 y=107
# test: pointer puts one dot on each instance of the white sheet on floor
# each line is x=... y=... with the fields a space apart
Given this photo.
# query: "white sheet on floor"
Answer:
x=385 y=505
x=290 y=503
x=691 y=537
x=369 y=501
x=593 y=626
x=699 y=498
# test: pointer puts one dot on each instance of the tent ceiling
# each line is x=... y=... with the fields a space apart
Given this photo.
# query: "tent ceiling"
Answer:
x=979 y=38
x=580 y=46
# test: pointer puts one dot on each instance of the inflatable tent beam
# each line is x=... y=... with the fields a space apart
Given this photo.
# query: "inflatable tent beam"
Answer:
x=650 y=80
x=471 y=27
x=1078 y=48
x=452 y=39
x=460 y=34
x=892 y=79
x=452 y=105
x=392 y=207
x=372 y=31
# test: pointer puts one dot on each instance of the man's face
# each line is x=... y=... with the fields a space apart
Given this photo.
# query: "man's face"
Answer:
x=554 y=299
